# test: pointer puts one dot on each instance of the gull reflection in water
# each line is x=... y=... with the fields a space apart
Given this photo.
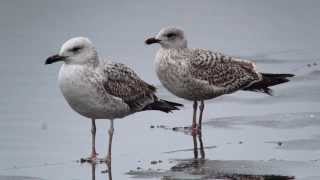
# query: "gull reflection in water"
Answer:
x=195 y=146
x=197 y=161
x=107 y=171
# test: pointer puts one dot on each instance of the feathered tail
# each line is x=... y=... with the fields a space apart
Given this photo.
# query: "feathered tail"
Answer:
x=268 y=80
x=163 y=105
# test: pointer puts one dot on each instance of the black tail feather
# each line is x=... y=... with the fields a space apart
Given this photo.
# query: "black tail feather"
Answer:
x=163 y=105
x=172 y=103
x=267 y=81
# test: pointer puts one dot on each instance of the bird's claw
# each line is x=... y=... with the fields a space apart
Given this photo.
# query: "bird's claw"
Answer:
x=195 y=130
x=107 y=160
x=93 y=159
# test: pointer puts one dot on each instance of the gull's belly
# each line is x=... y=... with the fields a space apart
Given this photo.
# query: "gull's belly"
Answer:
x=87 y=98
x=176 y=80
x=81 y=98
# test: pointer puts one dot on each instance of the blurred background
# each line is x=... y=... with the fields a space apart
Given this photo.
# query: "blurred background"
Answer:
x=42 y=137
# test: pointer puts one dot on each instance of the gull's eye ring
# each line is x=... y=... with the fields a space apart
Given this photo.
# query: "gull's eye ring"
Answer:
x=171 y=35
x=75 y=49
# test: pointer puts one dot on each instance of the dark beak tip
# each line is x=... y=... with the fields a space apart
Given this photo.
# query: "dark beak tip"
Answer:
x=53 y=59
x=146 y=41
x=47 y=62
x=151 y=41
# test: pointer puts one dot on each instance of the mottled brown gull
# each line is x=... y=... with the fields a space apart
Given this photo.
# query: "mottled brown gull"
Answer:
x=199 y=74
x=102 y=89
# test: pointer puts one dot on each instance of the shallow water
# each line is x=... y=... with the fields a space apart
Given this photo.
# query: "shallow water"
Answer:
x=246 y=135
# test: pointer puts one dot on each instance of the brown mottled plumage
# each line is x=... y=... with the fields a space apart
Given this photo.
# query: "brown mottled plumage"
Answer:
x=102 y=90
x=124 y=83
x=199 y=74
x=222 y=71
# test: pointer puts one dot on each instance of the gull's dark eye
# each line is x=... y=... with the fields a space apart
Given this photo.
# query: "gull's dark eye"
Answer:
x=76 y=49
x=171 y=35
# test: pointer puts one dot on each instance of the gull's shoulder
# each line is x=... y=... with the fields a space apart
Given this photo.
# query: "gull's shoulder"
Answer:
x=116 y=68
x=212 y=58
x=121 y=81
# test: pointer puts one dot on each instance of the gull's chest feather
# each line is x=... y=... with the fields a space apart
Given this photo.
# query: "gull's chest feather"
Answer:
x=172 y=70
x=79 y=89
x=83 y=89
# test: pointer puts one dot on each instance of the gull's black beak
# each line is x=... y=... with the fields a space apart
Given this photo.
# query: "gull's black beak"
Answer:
x=152 y=41
x=54 y=58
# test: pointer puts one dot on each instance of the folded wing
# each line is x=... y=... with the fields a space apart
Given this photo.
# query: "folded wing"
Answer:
x=224 y=72
x=124 y=83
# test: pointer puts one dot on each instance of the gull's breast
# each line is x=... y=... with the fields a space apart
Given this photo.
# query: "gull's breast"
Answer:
x=84 y=92
x=174 y=74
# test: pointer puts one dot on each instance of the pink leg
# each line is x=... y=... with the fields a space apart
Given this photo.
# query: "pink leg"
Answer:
x=93 y=132
x=194 y=120
x=201 y=108
x=93 y=157
x=194 y=129
x=107 y=160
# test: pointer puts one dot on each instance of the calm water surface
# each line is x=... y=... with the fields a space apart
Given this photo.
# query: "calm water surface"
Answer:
x=245 y=133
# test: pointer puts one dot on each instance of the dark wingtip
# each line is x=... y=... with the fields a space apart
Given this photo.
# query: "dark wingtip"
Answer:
x=287 y=75
x=268 y=91
x=173 y=103
x=268 y=80
x=278 y=75
x=164 y=106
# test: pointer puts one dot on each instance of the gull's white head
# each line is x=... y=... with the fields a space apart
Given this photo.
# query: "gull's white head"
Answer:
x=169 y=37
x=78 y=50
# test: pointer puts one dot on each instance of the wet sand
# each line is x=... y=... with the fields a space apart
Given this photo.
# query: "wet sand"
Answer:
x=245 y=135
x=266 y=137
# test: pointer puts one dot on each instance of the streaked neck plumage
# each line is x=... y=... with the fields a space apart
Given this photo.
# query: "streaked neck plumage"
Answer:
x=176 y=45
x=89 y=61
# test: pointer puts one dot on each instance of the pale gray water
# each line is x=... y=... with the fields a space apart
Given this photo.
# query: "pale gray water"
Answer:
x=42 y=137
